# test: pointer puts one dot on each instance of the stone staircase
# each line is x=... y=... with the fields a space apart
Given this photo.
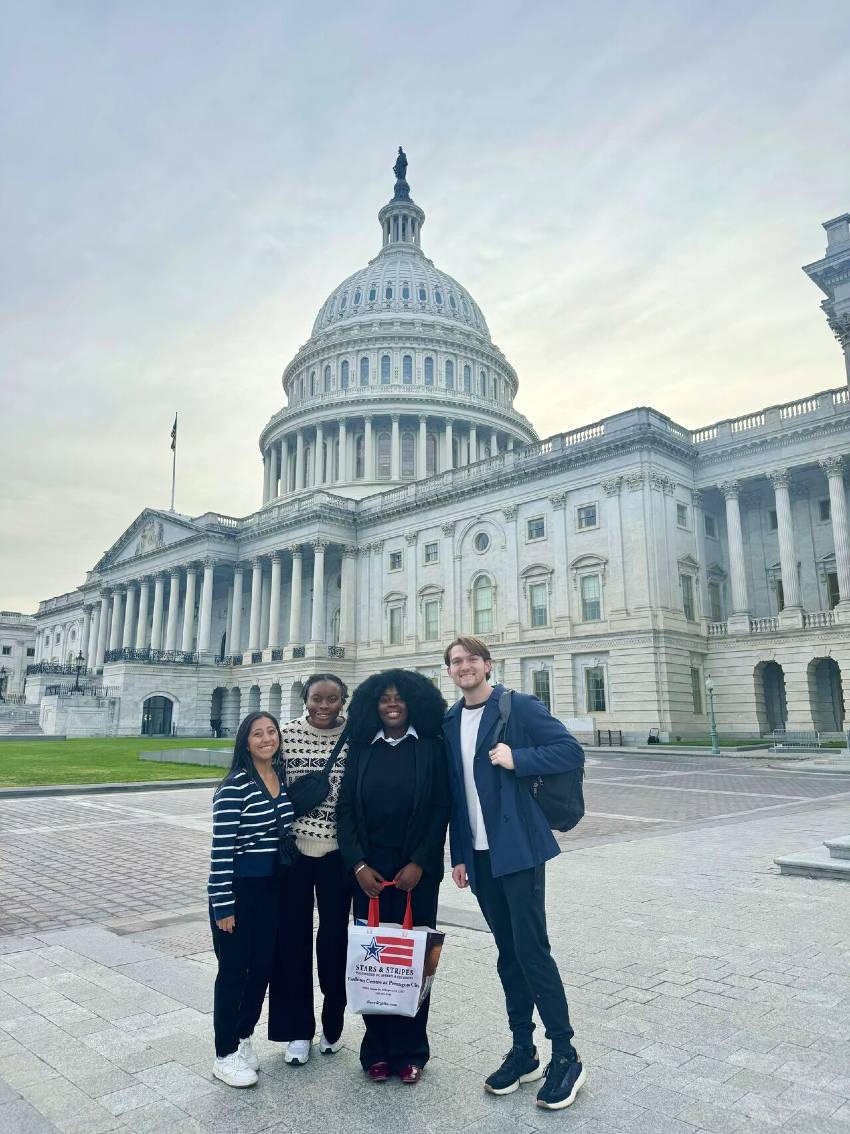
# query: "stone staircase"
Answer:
x=830 y=860
x=19 y=721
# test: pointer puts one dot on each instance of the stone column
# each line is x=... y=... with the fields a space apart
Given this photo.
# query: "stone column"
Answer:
x=129 y=618
x=274 y=603
x=284 y=466
x=142 y=619
x=84 y=634
x=102 y=620
x=115 y=629
x=376 y=592
x=318 y=462
x=236 y=619
x=343 y=453
x=189 y=611
x=205 y=619
x=511 y=611
x=265 y=609
x=494 y=443
x=273 y=473
x=473 y=444
x=295 y=597
x=699 y=539
x=834 y=469
x=395 y=450
x=561 y=583
x=256 y=604
x=266 y=477
x=779 y=478
x=737 y=574
x=299 y=460
x=347 y=596
x=616 y=579
x=422 y=456
x=158 y=604
x=449 y=441
x=368 y=449
x=448 y=623
x=317 y=622
x=173 y=607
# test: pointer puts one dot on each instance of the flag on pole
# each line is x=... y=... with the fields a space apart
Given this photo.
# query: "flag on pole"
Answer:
x=174 y=434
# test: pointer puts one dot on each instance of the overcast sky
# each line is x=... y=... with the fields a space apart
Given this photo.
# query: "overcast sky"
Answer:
x=627 y=189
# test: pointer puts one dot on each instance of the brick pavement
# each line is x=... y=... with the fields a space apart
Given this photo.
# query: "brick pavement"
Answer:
x=708 y=993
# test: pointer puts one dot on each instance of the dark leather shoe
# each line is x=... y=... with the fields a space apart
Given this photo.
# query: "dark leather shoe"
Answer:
x=379 y=1072
x=410 y=1074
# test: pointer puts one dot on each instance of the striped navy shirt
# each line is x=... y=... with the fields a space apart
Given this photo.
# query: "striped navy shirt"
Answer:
x=246 y=826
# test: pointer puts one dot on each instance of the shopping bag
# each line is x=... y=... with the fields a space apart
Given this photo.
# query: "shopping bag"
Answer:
x=390 y=968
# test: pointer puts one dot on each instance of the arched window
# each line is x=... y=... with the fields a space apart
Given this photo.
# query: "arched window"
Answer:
x=308 y=465
x=324 y=465
x=327 y=379
x=430 y=454
x=405 y=291
x=385 y=370
x=438 y=297
x=364 y=371
x=360 y=457
x=450 y=374
x=388 y=292
x=343 y=301
x=452 y=301
x=302 y=389
x=482 y=606
x=483 y=384
x=423 y=294
x=358 y=295
x=467 y=379
x=407 y=369
x=384 y=456
x=334 y=470
x=408 y=455
x=465 y=306
x=312 y=381
x=455 y=453
x=429 y=371
x=373 y=293
x=343 y=374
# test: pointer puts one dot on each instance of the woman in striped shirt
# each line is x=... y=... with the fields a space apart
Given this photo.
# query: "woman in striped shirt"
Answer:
x=251 y=817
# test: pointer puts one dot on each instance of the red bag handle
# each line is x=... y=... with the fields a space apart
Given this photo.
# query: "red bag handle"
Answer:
x=374 y=919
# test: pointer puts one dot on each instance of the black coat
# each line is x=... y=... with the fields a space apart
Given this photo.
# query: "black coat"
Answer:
x=426 y=831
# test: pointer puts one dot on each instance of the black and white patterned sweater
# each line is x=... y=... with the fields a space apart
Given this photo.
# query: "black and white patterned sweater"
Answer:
x=305 y=749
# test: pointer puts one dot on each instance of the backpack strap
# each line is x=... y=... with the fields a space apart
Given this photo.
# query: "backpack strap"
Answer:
x=505 y=706
x=337 y=748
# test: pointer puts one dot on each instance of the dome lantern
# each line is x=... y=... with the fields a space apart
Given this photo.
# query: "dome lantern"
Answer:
x=401 y=219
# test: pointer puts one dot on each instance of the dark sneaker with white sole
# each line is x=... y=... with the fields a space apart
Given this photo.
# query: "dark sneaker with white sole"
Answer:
x=564 y=1079
x=521 y=1065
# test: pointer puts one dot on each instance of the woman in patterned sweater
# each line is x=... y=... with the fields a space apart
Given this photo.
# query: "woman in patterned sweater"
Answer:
x=317 y=877
x=251 y=814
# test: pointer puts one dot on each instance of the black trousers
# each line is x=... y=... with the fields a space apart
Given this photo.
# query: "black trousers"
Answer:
x=514 y=906
x=291 y=1015
x=244 y=961
x=398 y=1040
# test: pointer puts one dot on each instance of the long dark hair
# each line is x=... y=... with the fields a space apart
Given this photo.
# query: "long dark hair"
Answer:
x=425 y=704
x=242 y=759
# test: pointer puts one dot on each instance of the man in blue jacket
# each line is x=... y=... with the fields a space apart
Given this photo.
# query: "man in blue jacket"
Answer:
x=500 y=842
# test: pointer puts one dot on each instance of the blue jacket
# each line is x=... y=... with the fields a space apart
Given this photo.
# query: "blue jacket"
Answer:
x=517 y=832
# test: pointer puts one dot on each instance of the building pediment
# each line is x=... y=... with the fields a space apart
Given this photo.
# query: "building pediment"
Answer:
x=152 y=531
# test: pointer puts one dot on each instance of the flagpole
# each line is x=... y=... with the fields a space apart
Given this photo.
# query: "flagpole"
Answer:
x=173 y=461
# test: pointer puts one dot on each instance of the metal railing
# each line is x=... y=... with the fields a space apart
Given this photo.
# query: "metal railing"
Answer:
x=82 y=690
x=299 y=651
x=336 y=651
x=609 y=738
x=54 y=667
x=13 y=699
x=147 y=656
x=277 y=654
x=796 y=738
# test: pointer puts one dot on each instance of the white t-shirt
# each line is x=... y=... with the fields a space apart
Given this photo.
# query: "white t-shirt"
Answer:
x=470 y=719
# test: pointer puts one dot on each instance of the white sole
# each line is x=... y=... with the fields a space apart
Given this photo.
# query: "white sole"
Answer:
x=228 y=1082
x=331 y=1049
x=531 y=1077
x=294 y=1061
x=571 y=1097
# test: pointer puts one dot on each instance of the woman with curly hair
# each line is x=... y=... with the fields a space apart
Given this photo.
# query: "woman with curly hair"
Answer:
x=391 y=825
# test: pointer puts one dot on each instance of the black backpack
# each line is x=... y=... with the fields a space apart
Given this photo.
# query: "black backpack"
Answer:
x=559 y=795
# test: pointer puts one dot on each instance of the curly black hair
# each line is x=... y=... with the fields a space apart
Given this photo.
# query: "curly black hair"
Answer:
x=425 y=703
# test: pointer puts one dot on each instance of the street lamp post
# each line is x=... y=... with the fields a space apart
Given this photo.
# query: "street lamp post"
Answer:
x=712 y=719
x=79 y=661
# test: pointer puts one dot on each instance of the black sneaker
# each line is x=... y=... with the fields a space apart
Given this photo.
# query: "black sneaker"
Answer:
x=564 y=1079
x=521 y=1065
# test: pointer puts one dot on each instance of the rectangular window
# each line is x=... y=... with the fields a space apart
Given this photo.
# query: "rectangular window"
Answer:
x=687 y=585
x=594 y=685
x=536 y=528
x=772 y=521
x=538 y=597
x=710 y=524
x=823 y=510
x=832 y=589
x=591 y=598
x=395 y=560
x=30 y=651
x=431 y=620
x=541 y=687
x=780 y=595
x=682 y=515
x=586 y=517
x=395 y=625
x=432 y=552
x=696 y=688
x=7 y=650
x=715 y=602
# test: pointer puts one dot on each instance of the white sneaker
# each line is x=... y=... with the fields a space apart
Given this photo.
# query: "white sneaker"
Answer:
x=297 y=1052
x=233 y=1070
x=249 y=1056
x=328 y=1048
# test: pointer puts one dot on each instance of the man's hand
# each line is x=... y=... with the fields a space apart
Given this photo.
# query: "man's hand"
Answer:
x=227 y=924
x=408 y=877
x=502 y=755
x=459 y=876
x=370 y=881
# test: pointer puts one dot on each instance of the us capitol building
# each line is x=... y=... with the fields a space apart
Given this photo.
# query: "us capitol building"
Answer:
x=404 y=500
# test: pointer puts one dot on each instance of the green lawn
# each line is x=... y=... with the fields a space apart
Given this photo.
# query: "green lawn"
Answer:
x=33 y=763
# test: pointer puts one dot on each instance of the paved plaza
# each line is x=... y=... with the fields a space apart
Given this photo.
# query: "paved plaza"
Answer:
x=707 y=992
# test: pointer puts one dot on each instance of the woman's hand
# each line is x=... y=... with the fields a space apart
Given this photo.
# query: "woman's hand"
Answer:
x=408 y=877
x=370 y=881
x=459 y=876
x=227 y=924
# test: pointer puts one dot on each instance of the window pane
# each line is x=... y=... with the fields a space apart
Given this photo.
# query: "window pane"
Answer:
x=360 y=456
x=539 y=599
x=586 y=516
x=536 y=528
x=432 y=552
x=364 y=371
x=467 y=379
x=823 y=509
x=430 y=454
x=540 y=687
x=710 y=523
x=431 y=627
x=407 y=369
x=595 y=689
x=343 y=375
x=591 y=598
x=696 y=688
x=327 y=379
x=687 y=584
x=408 y=455
x=482 y=609
x=385 y=369
x=384 y=456
x=715 y=602
x=450 y=374
x=395 y=626
x=429 y=371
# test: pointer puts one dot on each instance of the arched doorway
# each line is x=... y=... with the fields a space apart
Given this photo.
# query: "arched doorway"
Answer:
x=771 y=704
x=254 y=699
x=296 y=705
x=156 y=716
x=217 y=712
x=826 y=695
x=231 y=711
x=275 y=697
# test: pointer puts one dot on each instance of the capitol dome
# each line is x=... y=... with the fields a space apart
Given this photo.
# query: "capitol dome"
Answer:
x=399 y=379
